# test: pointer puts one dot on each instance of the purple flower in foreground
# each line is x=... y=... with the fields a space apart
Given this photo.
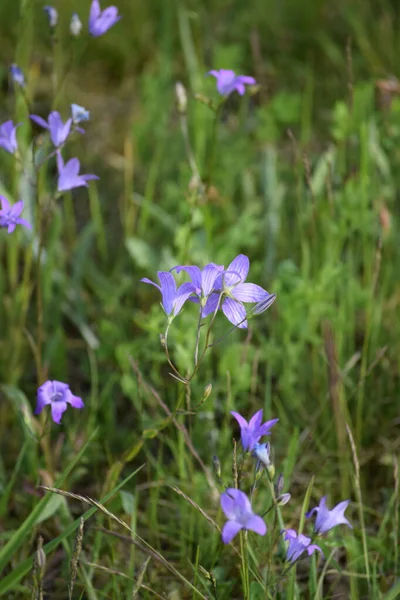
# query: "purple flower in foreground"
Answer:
x=8 y=136
x=17 y=75
x=58 y=395
x=10 y=215
x=69 y=177
x=251 y=432
x=232 y=284
x=59 y=131
x=52 y=15
x=203 y=280
x=299 y=543
x=173 y=299
x=238 y=511
x=101 y=21
x=328 y=519
x=228 y=81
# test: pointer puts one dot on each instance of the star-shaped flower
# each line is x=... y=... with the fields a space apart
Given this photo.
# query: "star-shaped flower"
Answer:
x=328 y=519
x=58 y=395
x=8 y=136
x=10 y=215
x=228 y=81
x=231 y=283
x=240 y=515
x=251 y=432
x=59 y=131
x=69 y=177
x=298 y=544
x=101 y=21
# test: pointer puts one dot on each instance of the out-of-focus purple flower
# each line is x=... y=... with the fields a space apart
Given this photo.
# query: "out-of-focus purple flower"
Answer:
x=228 y=81
x=328 y=519
x=101 y=21
x=59 y=131
x=75 y=26
x=10 y=215
x=8 y=136
x=17 y=75
x=173 y=299
x=58 y=395
x=52 y=15
x=251 y=432
x=69 y=177
x=238 y=511
x=299 y=543
x=79 y=113
x=232 y=284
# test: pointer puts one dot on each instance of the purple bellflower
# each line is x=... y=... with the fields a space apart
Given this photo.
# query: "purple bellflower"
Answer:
x=101 y=21
x=203 y=281
x=251 y=432
x=8 y=136
x=52 y=14
x=328 y=519
x=232 y=284
x=299 y=543
x=10 y=215
x=238 y=511
x=17 y=75
x=59 y=131
x=69 y=177
x=58 y=395
x=173 y=299
x=228 y=81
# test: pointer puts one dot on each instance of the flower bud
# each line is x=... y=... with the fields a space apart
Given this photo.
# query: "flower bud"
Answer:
x=75 y=26
x=207 y=391
x=217 y=467
x=52 y=15
x=181 y=97
x=280 y=484
x=79 y=113
x=262 y=306
x=17 y=75
x=283 y=499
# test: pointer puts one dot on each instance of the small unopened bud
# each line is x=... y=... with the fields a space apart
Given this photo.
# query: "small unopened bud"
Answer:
x=17 y=75
x=207 y=391
x=162 y=340
x=271 y=471
x=262 y=306
x=280 y=484
x=217 y=467
x=181 y=97
x=40 y=560
x=283 y=499
x=52 y=15
x=75 y=26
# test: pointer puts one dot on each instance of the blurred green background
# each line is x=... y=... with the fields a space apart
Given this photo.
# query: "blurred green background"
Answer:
x=305 y=183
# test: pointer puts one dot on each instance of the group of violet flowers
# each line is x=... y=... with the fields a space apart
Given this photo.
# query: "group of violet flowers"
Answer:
x=212 y=288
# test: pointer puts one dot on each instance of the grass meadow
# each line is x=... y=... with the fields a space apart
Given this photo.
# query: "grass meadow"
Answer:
x=302 y=175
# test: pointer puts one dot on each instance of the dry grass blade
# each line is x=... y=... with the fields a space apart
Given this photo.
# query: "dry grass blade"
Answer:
x=140 y=576
x=88 y=500
x=75 y=557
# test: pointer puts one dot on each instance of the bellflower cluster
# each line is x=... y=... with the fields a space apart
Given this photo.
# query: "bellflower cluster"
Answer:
x=215 y=287
x=58 y=396
x=228 y=81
